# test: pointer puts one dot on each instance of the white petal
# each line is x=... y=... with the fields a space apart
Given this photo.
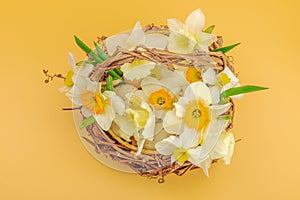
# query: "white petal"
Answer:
x=195 y=21
x=172 y=124
x=137 y=69
x=219 y=109
x=189 y=138
x=224 y=148
x=215 y=94
x=175 y=25
x=140 y=144
x=209 y=76
x=198 y=90
x=64 y=89
x=180 y=106
x=85 y=111
x=148 y=131
x=86 y=70
x=116 y=102
x=180 y=43
x=215 y=128
x=156 y=40
x=205 y=40
x=125 y=124
x=72 y=62
x=114 y=41
x=150 y=85
x=168 y=145
x=137 y=36
x=205 y=165
x=194 y=156
x=105 y=119
x=229 y=73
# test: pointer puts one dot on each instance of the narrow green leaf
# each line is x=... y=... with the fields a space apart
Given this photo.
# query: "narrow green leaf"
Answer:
x=226 y=49
x=100 y=52
x=114 y=74
x=241 y=90
x=87 y=50
x=86 y=122
x=225 y=117
x=85 y=62
x=118 y=71
x=109 y=83
x=210 y=29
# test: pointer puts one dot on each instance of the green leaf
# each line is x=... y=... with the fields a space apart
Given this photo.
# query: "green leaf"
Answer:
x=225 y=117
x=113 y=74
x=86 y=122
x=241 y=90
x=118 y=71
x=226 y=49
x=87 y=50
x=109 y=83
x=85 y=62
x=210 y=29
x=100 y=52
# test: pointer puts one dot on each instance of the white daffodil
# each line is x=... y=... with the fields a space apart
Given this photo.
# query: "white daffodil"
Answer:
x=103 y=106
x=161 y=94
x=220 y=82
x=139 y=121
x=185 y=38
x=224 y=148
x=183 y=148
x=137 y=37
x=74 y=72
x=194 y=112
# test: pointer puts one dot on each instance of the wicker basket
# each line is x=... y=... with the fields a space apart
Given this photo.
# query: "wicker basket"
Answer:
x=150 y=163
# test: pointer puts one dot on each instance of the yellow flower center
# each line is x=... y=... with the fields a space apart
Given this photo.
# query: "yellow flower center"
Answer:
x=222 y=80
x=193 y=74
x=181 y=154
x=68 y=80
x=139 y=116
x=94 y=102
x=162 y=98
x=197 y=115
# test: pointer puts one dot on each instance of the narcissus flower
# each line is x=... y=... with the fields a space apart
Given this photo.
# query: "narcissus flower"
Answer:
x=103 y=106
x=139 y=121
x=182 y=148
x=135 y=38
x=185 y=38
x=220 y=82
x=75 y=71
x=194 y=112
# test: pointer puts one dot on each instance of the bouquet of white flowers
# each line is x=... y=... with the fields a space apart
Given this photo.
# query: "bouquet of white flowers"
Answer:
x=158 y=99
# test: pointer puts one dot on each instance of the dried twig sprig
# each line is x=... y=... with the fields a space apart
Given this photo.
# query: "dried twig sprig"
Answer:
x=51 y=77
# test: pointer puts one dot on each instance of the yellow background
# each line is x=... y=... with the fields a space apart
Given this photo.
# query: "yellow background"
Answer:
x=41 y=156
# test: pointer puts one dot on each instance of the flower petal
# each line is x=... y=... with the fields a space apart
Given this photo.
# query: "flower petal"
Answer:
x=230 y=74
x=215 y=94
x=194 y=156
x=137 y=70
x=198 y=90
x=172 y=124
x=114 y=41
x=72 y=62
x=224 y=147
x=205 y=165
x=195 y=21
x=168 y=145
x=219 y=109
x=85 y=112
x=126 y=125
x=150 y=85
x=180 y=43
x=213 y=132
x=105 y=119
x=136 y=37
x=209 y=76
x=156 y=40
x=175 y=25
x=205 y=40
x=189 y=138
x=116 y=102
